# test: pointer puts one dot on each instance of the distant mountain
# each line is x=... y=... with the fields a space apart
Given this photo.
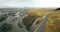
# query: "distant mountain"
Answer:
x=57 y=9
x=12 y=9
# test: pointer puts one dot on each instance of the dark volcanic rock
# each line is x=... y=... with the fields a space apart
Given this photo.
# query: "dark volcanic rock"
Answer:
x=3 y=17
x=28 y=21
x=5 y=27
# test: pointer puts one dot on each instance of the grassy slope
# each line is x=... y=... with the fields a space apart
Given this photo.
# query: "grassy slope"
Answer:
x=54 y=19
